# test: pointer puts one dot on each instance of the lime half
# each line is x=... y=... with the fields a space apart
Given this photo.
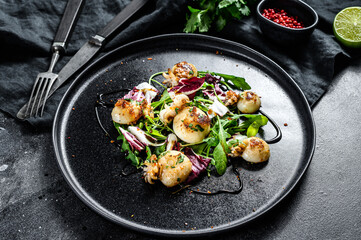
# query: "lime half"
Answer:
x=347 y=27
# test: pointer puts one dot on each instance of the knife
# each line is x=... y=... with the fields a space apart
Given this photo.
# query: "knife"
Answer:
x=90 y=48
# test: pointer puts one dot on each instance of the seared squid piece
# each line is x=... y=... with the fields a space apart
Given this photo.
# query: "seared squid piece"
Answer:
x=175 y=168
x=126 y=112
x=252 y=149
x=151 y=170
x=249 y=102
x=192 y=125
x=169 y=112
x=179 y=71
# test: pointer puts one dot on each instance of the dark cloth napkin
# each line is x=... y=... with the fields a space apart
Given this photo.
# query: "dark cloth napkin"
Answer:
x=27 y=28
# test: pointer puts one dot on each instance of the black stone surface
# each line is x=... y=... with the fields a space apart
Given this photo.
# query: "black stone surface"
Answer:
x=36 y=202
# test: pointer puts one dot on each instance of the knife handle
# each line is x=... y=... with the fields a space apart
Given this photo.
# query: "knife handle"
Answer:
x=121 y=18
x=67 y=23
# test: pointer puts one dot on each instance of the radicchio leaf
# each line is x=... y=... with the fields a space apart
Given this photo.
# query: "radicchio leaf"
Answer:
x=135 y=95
x=150 y=91
x=199 y=164
x=188 y=86
x=212 y=79
x=132 y=140
x=209 y=91
x=141 y=92
x=143 y=137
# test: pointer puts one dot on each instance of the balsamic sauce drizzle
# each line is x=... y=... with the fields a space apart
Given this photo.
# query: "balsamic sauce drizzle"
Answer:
x=236 y=191
x=278 y=136
x=101 y=103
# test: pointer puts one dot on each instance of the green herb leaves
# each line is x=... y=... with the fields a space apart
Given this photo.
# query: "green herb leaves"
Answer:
x=216 y=13
x=130 y=155
x=221 y=150
x=199 y=19
x=220 y=158
x=236 y=82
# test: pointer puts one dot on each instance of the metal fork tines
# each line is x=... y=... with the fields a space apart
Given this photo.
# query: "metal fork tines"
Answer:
x=44 y=81
x=41 y=89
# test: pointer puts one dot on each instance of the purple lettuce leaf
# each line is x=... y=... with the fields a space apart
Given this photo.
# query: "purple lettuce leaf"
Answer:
x=132 y=140
x=212 y=79
x=209 y=91
x=199 y=164
x=188 y=86
x=149 y=91
x=135 y=95
x=145 y=139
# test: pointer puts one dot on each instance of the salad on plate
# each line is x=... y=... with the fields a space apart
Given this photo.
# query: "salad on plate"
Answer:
x=187 y=122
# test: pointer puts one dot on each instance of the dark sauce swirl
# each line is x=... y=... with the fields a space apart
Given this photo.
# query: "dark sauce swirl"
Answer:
x=127 y=169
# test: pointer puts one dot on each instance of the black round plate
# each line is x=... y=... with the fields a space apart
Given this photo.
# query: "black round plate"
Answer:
x=92 y=165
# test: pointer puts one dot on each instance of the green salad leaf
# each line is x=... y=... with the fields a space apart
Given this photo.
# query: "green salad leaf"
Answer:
x=130 y=154
x=235 y=82
x=220 y=159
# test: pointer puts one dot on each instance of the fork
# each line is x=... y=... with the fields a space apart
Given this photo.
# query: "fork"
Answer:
x=45 y=80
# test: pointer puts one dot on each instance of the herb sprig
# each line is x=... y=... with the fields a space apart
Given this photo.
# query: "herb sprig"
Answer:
x=207 y=14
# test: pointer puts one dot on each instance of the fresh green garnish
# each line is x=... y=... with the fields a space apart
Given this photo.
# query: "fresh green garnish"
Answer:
x=207 y=14
x=130 y=154
x=235 y=82
x=164 y=99
x=220 y=158
x=180 y=158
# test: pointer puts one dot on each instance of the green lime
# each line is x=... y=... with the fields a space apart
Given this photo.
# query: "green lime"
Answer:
x=347 y=27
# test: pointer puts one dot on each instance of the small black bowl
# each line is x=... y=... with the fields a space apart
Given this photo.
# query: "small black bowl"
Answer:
x=282 y=35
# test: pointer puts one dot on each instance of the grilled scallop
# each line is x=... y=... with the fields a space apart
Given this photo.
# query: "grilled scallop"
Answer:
x=251 y=149
x=249 y=102
x=184 y=70
x=179 y=71
x=126 y=112
x=174 y=168
x=191 y=125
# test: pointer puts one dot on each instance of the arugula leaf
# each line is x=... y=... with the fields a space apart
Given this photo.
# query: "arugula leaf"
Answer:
x=130 y=155
x=237 y=82
x=148 y=151
x=223 y=135
x=211 y=141
x=165 y=98
x=220 y=159
x=199 y=148
x=159 y=150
